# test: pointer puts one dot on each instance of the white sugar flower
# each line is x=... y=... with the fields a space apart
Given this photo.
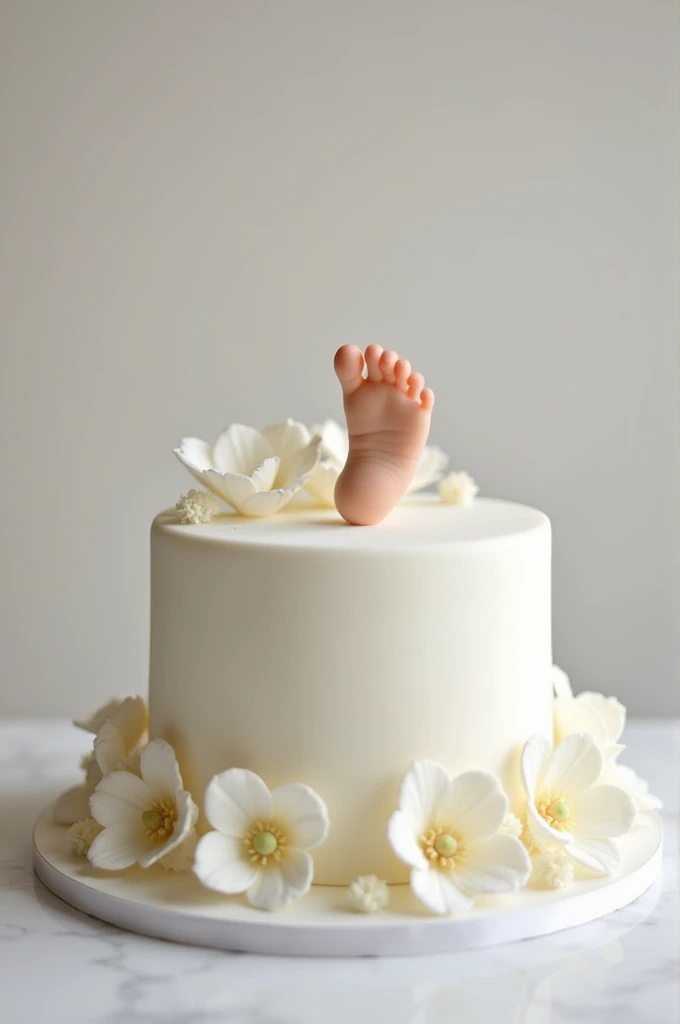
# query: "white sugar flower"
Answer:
x=458 y=489
x=181 y=859
x=334 y=452
x=368 y=894
x=256 y=473
x=448 y=832
x=553 y=869
x=121 y=726
x=81 y=835
x=261 y=840
x=197 y=507
x=638 y=790
x=512 y=826
x=145 y=818
x=566 y=805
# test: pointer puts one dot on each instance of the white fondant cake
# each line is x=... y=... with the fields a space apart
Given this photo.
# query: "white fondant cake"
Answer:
x=311 y=651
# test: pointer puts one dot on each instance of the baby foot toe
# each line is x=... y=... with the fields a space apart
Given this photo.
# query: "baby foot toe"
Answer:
x=387 y=363
x=416 y=383
x=402 y=372
x=349 y=367
x=373 y=354
x=427 y=399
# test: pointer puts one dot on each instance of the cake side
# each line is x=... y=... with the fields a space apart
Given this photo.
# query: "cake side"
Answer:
x=309 y=651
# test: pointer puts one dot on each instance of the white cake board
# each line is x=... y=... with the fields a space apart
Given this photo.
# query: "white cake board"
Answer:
x=164 y=905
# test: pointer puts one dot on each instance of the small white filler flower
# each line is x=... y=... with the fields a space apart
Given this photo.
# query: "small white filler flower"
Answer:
x=448 y=832
x=566 y=806
x=121 y=729
x=261 y=840
x=197 y=507
x=553 y=869
x=368 y=894
x=458 y=489
x=145 y=818
x=257 y=473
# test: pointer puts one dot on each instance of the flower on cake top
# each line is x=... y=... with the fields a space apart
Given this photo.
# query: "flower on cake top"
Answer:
x=449 y=832
x=257 y=473
x=568 y=807
x=604 y=719
x=261 y=840
x=368 y=894
x=121 y=729
x=458 y=488
x=143 y=817
x=334 y=452
x=196 y=507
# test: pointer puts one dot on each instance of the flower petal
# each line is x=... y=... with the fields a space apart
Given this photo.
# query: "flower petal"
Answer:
x=220 y=864
x=610 y=710
x=425 y=790
x=297 y=870
x=438 y=893
x=560 y=681
x=233 y=488
x=575 y=716
x=268 y=889
x=188 y=463
x=131 y=719
x=303 y=813
x=236 y=798
x=404 y=843
x=240 y=450
x=321 y=484
x=334 y=443
x=118 y=846
x=477 y=804
x=159 y=768
x=496 y=864
x=187 y=813
x=431 y=465
x=601 y=855
x=625 y=778
x=602 y=811
x=287 y=439
x=574 y=766
x=109 y=748
x=95 y=721
x=265 y=475
x=535 y=756
x=195 y=454
x=73 y=805
x=120 y=797
x=301 y=464
x=266 y=503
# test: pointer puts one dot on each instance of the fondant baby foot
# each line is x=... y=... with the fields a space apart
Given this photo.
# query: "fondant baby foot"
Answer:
x=388 y=419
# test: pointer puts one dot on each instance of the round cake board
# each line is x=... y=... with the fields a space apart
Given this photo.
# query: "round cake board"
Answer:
x=164 y=905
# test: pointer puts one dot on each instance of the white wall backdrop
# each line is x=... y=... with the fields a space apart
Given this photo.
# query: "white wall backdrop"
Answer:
x=200 y=201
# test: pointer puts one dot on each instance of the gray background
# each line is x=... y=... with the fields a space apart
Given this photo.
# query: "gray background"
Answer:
x=200 y=201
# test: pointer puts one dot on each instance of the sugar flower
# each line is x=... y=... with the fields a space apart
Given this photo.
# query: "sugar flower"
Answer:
x=511 y=825
x=334 y=452
x=368 y=894
x=181 y=859
x=603 y=718
x=121 y=729
x=196 y=507
x=81 y=835
x=448 y=832
x=261 y=840
x=145 y=818
x=458 y=489
x=257 y=473
x=566 y=805
x=553 y=869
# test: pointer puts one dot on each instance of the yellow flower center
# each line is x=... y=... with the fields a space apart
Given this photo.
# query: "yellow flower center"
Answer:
x=265 y=842
x=159 y=820
x=555 y=811
x=442 y=846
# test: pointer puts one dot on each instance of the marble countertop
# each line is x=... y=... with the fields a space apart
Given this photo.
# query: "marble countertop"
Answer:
x=58 y=965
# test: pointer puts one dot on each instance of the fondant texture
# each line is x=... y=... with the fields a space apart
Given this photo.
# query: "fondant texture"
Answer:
x=307 y=650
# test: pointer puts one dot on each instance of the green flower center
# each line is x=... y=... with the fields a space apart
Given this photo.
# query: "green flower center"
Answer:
x=445 y=845
x=265 y=843
x=559 y=810
x=152 y=820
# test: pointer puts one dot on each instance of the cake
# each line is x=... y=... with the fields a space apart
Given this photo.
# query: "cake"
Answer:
x=351 y=682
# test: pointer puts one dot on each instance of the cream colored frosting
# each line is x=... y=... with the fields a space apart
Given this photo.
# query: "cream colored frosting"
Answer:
x=311 y=651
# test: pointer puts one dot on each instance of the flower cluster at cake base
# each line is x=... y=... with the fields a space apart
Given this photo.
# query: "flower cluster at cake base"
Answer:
x=262 y=838
x=449 y=832
x=368 y=894
x=603 y=718
x=196 y=507
x=569 y=810
x=458 y=488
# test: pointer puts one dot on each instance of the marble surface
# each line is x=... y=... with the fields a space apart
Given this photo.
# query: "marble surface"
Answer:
x=59 y=965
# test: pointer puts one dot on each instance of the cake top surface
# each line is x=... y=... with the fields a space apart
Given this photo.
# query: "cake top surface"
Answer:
x=418 y=522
